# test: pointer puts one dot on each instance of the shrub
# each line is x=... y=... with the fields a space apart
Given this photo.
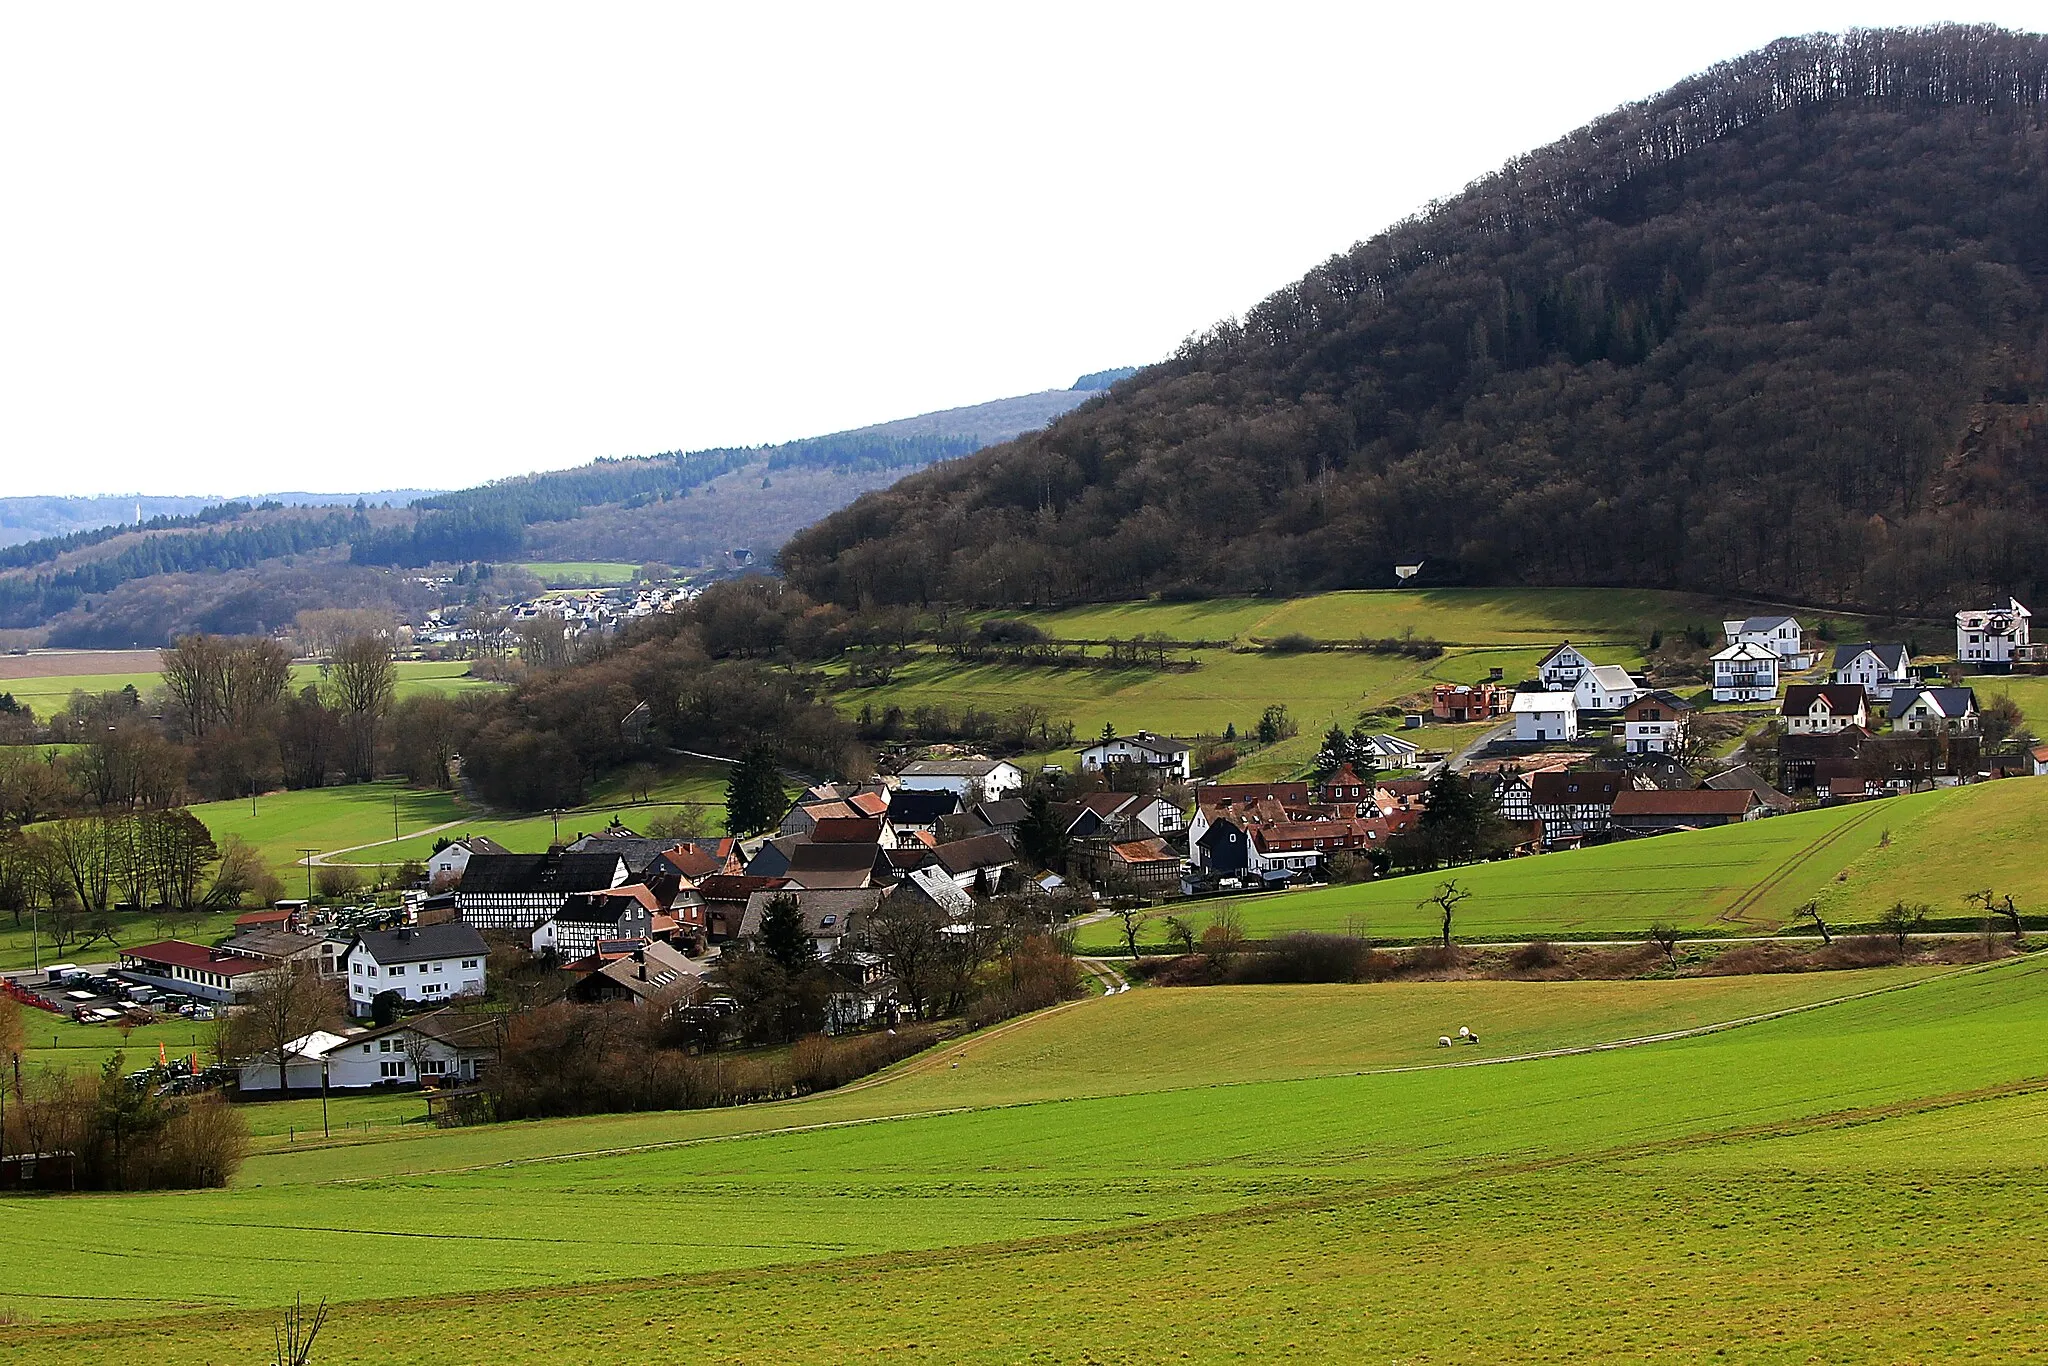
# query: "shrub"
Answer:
x=337 y=880
x=1306 y=957
x=1536 y=956
x=1294 y=643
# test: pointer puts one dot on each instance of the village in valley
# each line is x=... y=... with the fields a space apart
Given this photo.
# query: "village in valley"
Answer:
x=863 y=885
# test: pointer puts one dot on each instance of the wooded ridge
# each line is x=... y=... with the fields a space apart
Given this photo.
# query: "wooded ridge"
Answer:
x=1781 y=330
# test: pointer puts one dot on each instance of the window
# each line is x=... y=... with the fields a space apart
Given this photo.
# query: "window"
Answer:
x=383 y=1046
x=366 y=1048
x=469 y=962
x=398 y=971
x=359 y=969
x=391 y=1069
x=373 y=969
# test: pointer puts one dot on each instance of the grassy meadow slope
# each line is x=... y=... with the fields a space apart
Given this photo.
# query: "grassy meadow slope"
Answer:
x=1679 y=1197
x=1742 y=879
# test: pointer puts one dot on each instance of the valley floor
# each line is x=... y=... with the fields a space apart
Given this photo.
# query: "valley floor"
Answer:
x=1843 y=1173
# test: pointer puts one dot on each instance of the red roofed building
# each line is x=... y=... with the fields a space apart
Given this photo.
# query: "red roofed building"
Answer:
x=1695 y=810
x=196 y=970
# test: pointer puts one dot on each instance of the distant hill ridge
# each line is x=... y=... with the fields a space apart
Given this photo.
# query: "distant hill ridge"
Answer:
x=1780 y=331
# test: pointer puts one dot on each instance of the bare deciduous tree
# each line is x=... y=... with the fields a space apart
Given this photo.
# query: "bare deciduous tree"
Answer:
x=1998 y=907
x=1901 y=921
x=1446 y=898
x=289 y=1004
x=1666 y=937
x=1811 y=911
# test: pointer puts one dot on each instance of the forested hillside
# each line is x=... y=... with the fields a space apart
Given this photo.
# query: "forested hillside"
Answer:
x=1781 y=330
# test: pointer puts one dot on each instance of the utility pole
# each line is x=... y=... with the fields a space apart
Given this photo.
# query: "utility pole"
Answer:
x=394 y=818
x=323 y=1095
x=308 y=861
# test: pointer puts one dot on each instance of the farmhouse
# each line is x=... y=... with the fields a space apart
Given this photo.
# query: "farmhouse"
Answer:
x=832 y=919
x=1877 y=669
x=976 y=864
x=838 y=866
x=1573 y=802
x=590 y=918
x=518 y=891
x=1782 y=636
x=971 y=780
x=1164 y=756
x=1743 y=776
x=438 y=1048
x=1993 y=638
x=1562 y=668
x=914 y=811
x=1926 y=711
x=1824 y=708
x=1543 y=716
x=1695 y=810
x=429 y=965
x=1746 y=672
x=1656 y=723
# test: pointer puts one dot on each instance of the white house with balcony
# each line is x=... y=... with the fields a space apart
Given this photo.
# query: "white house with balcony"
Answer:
x=1562 y=668
x=427 y=965
x=1541 y=716
x=1164 y=756
x=1989 y=640
x=1746 y=672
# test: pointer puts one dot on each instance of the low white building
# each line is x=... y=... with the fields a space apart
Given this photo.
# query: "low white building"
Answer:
x=443 y=1047
x=1746 y=672
x=971 y=780
x=1165 y=756
x=427 y=965
x=1992 y=638
x=1605 y=688
x=1877 y=669
x=1562 y=668
x=1782 y=636
x=1541 y=716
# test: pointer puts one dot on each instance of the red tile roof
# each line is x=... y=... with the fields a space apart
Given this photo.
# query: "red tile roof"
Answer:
x=198 y=958
x=1705 y=801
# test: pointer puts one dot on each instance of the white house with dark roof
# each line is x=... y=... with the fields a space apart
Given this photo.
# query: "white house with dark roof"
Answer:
x=1990 y=639
x=1782 y=636
x=424 y=965
x=448 y=863
x=1562 y=668
x=1161 y=754
x=1932 y=710
x=1746 y=671
x=1877 y=669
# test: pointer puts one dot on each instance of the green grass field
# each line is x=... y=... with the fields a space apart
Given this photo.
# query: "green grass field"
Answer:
x=1482 y=629
x=49 y=696
x=581 y=573
x=1741 y=879
x=1203 y=1175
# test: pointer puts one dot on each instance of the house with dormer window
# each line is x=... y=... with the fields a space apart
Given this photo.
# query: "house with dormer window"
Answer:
x=1655 y=723
x=1746 y=672
x=1782 y=636
x=1992 y=639
x=1562 y=668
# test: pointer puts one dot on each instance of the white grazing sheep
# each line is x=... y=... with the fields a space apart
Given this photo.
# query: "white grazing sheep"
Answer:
x=1463 y=1032
x=1443 y=1041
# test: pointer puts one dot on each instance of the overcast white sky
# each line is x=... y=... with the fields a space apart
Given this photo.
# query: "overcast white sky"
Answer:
x=357 y=247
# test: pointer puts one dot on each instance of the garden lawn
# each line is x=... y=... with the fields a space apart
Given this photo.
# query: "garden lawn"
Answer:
x=1856 y=860
x=1679 y=1198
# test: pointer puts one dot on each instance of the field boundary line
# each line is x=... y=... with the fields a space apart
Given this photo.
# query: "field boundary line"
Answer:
x=952 y=1051
x=1748 y=900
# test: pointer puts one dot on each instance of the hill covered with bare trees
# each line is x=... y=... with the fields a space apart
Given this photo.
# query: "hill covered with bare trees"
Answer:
x=1780 y=330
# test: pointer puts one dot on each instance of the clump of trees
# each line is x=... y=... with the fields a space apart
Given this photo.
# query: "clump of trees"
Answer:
x=121 y=1135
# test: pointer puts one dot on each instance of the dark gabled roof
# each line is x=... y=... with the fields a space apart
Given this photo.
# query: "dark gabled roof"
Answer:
x=842 y=906
x=638 y=851
x=1953 y=702
x=1759 y=625
x=452 y=940
x=1663 y=696
x=1837 y=744
x=975 y=852
x=737 y=886
x=1894 y=658
x=1008 y=811
x=540 y=873
x=479 y=844
x=605 y=908
x=1577 y=788
x=272 y=944
x=909 y=806
x=847 y=830
x=1743 y=776
x=197 y=956
x=833 y=865
x=456 y=1028
x=1843 y=699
